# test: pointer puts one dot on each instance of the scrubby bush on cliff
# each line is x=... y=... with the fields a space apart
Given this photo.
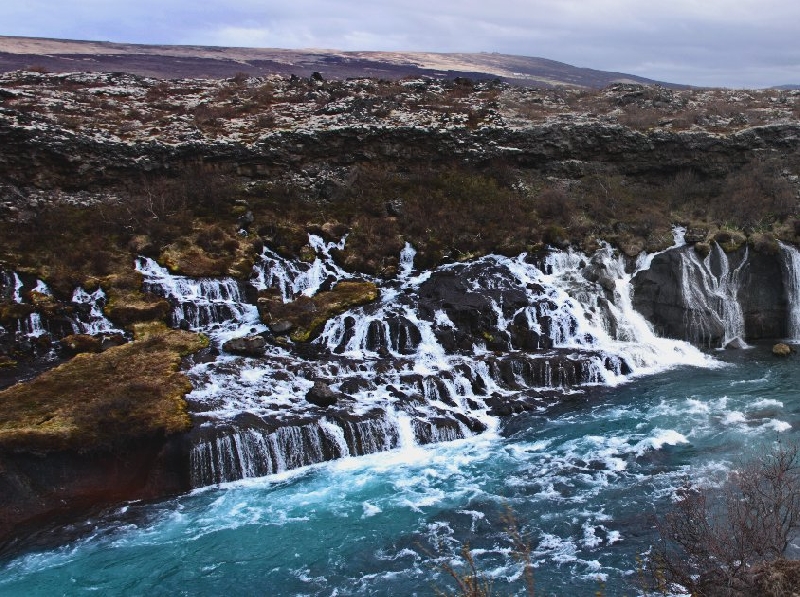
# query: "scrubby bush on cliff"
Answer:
x=733 y=540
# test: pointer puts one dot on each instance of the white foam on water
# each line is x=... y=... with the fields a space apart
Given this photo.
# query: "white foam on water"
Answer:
x=659 y=439
x=734 y=417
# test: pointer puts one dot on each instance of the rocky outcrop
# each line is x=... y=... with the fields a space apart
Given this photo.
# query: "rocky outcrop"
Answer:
x=690 y=297
x=305 y=316
x=96 y=430
x=38 y=491
x=321 y=395
x=246 y=345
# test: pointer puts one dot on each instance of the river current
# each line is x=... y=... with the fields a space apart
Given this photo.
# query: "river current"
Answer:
x=584 y=480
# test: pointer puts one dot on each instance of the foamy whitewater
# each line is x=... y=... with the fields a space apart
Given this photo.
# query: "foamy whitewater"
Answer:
x=366 y=497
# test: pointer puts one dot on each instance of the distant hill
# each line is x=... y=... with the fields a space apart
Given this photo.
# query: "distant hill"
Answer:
x=173 y=62
x=789 y=87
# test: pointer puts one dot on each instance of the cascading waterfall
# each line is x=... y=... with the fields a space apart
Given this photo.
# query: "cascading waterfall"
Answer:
x=790 y=262
x=292 y=277
x=710 y=289
x=90 y=319
x=212 y=305
x=399 y=385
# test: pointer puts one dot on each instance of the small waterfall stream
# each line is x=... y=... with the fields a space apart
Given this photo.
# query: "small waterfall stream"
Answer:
x=790 y=261
x=710 y=288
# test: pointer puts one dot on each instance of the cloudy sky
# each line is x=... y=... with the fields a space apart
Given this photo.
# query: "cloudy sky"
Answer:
x=730 y=43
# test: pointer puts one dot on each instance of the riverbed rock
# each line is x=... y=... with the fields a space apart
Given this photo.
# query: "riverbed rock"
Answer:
x=321 y=395
x=781 y=350
x=246 y=345
x=736 y=344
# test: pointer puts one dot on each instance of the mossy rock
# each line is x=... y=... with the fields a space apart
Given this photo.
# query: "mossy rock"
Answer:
x=307 y=315
x=188 y=260
x=11 y=312
x=763 y=243
x=102 y=401
x=730 y=240
x=696 y=233
x=307 y=254
x=702 y=249
x=242 y=267
x=125 y=307
x=630 y=245
x=77 y=343
x=781 y=350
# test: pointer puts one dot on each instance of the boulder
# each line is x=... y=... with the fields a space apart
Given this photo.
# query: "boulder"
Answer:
x=736 y=344
x=781 y=350
x=321 y=395
x=81 y=343
x=246 y=345
x=280 y=327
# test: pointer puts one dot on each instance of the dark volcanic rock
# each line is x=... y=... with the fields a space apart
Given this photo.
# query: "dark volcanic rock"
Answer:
x=659 y=295
x=472 y=296
x=36 y=489
x=246 y=345
x=321 y=395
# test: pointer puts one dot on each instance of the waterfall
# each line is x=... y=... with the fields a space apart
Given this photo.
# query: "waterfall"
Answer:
x=292 y=277
x=90 y=319
x=31 y=327
x=790 y=262
x=406 y=264
x=710 y=289
x=231 y=454
x=212 y=305
x=437 y=358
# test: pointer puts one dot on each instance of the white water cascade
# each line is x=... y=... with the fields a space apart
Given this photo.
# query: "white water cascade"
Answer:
x=294 y=277
x=710 y=289
x=790 y=262
x=93 y=321
x=212 y=305
x=437 y=358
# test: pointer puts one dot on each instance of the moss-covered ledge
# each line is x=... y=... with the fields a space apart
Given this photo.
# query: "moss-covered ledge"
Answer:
x=304 y=317
x=101 y=401
x=96 y=431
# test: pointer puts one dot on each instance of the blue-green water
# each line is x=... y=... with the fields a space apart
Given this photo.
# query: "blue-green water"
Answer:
x=584 y=479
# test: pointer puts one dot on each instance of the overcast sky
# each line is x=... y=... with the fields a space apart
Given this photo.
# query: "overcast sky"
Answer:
x=730 y=43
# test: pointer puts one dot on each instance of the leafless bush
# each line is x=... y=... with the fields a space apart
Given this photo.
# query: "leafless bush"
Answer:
x=470 y=581
x=724 y=542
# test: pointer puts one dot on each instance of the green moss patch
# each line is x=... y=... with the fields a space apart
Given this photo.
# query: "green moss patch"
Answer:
x=101 y=401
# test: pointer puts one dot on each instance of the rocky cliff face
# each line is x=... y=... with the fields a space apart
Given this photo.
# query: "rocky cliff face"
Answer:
x=714 y=300
x=310 y=127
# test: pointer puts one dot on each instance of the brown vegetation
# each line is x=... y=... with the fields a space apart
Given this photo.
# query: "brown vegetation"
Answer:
x=733 y=541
